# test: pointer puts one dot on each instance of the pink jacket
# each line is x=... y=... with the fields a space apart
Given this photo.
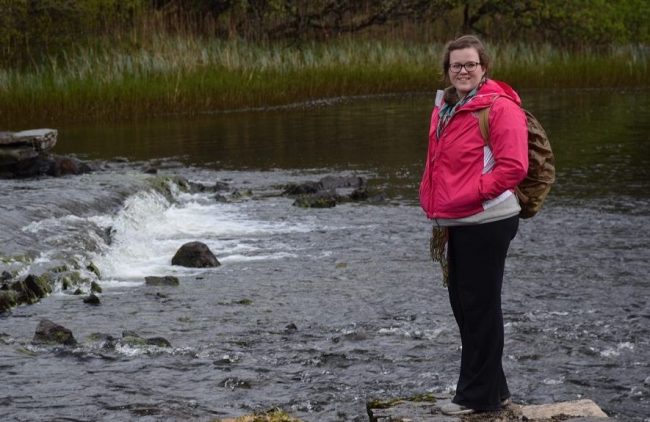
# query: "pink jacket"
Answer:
x=453 y=185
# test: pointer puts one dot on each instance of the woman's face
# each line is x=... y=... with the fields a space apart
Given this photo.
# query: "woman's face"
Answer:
x=463 y=80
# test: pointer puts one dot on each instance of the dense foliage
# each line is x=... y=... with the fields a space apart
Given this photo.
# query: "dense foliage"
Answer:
x=33 y=29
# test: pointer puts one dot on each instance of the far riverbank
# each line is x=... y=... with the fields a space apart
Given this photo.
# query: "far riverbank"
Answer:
x=191 y=75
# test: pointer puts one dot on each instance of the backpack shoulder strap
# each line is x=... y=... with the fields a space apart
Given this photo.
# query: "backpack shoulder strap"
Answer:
x=484 y=124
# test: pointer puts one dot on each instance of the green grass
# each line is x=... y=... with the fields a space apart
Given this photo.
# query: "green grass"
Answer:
x=192 y=75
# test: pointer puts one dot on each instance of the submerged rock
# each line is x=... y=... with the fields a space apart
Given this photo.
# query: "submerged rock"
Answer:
x=92 y=299
x=48 y=332
x=330 y=190
x=133 y=339
x=195 y=255
x=167 y=280
x=323 y=199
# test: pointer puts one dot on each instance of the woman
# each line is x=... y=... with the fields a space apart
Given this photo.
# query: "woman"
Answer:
x=467 y=189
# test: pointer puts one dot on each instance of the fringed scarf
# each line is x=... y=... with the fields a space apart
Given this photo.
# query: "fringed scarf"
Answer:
x=438 y=250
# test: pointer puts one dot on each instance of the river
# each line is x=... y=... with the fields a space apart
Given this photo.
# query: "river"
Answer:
x=316 y=311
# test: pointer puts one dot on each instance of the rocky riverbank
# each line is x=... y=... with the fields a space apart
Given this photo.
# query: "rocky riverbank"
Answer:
x=27 y=154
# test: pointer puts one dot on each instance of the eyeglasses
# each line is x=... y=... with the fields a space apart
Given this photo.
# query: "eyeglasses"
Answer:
x=469 y=66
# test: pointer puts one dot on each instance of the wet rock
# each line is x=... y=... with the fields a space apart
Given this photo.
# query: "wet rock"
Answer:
x=133 y=339
x=220 y=198
x=290 y=328
x=150 y=170
x=195 y=255
x=360 y=194
x=7 y=300
x=379 y=198
x=417 y=408
x=46 y=165
x=107 y=341
x=336 y=182
x=158 y=341
x=72 y=279
x=167 y=280
x=5 y=276
x=93 y=269
x=196 y=187
x=95 y=287
x=322 y=199
x=233 y=383
x=48 y=332
x=273 y=415
x=302 y=188
x=329 y=191
x=31 y=289
x=92 y=299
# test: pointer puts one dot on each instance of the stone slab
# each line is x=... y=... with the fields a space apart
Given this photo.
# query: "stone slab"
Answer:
x=578 y=408
x=407 y=410
x=25 y=145
x=39 y=139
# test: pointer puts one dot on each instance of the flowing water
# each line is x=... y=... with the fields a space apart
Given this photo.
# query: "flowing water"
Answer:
x=318 y=310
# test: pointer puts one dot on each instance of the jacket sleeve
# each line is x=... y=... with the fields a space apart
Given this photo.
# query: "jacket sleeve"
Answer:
x=425 y=192
x=509 y=144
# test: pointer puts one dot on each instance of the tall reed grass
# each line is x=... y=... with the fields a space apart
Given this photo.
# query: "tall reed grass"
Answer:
x=181 y=74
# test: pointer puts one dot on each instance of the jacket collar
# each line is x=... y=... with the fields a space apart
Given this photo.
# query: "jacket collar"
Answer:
x=489 y=92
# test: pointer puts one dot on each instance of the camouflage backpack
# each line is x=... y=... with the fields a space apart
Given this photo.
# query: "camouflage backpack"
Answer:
x=532 y=191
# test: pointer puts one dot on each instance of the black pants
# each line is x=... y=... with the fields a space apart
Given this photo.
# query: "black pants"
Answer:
x=477 y=255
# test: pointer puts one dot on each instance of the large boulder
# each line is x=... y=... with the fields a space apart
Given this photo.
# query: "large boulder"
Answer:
x=195 y=255
x=48 y=332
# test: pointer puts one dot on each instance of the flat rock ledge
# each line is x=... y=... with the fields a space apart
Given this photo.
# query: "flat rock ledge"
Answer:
x=25 y=145
x=427 y=409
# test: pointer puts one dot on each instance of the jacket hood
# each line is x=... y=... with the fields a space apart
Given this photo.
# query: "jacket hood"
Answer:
x=489 y=92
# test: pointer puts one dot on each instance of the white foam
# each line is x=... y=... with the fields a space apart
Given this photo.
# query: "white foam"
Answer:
x=148 y=231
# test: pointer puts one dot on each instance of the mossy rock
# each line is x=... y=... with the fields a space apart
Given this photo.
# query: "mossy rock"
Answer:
x=60 y=269
x=162 y=185
x=7 y=300
x=273 y=415
x=134 y=341
x=72 y=279
x=315 y=201
x=387 y=403
x=31 y=289
x=93 y=269
x=21 y=259
x=48 y=332
x=95 y=287
x=159 y=341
